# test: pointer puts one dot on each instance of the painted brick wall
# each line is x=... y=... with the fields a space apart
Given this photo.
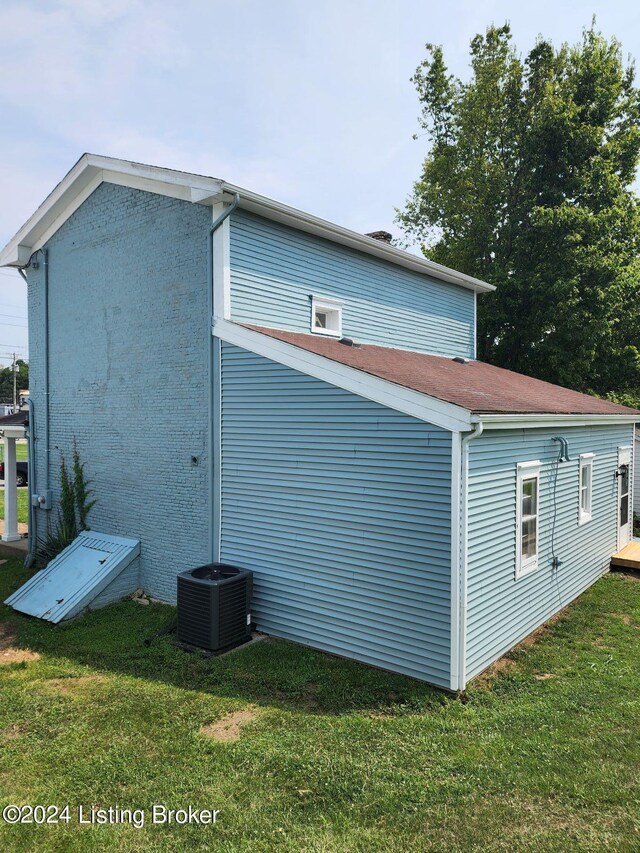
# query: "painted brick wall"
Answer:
x=129 y=371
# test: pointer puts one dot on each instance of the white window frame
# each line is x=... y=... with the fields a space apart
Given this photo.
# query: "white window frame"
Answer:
x=332 y=306
x=527 y=471
x=586 y=463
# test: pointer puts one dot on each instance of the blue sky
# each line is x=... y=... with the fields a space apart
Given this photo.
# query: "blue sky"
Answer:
x=309 y=103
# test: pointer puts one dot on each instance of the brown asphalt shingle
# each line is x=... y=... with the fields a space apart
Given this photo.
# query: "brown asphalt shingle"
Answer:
x=476 y=386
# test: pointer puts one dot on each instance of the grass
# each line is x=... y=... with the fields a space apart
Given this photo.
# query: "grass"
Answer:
x=542 y=755
x=23 y=504
x=21 y=450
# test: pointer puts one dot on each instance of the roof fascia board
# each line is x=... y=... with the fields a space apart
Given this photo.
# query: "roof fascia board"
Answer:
x=286 y=215
x=413 y=403
x=161 y=178
x=68 y=210
x=87 y=174
x=62 y=202
x=19 y=249
x=533 y=421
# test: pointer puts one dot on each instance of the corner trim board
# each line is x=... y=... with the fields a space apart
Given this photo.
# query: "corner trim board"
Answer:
x=221 y=266
x=216 y=462
x=457 y=554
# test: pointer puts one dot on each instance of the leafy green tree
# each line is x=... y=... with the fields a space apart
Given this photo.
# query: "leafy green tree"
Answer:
x=528 y=185
x=6 y=380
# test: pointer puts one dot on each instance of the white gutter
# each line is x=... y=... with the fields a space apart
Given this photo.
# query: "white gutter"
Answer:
x=275 y=210
x=532 y=421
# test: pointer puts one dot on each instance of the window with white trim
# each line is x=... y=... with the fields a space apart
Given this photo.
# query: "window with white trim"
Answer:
x=326 y=317
x=586 y=487
x=528 y=517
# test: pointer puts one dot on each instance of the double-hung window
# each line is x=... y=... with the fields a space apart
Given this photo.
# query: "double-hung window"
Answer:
x=528 y=517
x=586 y=487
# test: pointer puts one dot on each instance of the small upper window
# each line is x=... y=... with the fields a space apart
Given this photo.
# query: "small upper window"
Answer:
x=586 y=486
x=326 y=317
x=527 y=534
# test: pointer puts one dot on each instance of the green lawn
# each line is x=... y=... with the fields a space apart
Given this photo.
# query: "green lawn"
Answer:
x=23 y=504
x=21 y=450
x=545 y=755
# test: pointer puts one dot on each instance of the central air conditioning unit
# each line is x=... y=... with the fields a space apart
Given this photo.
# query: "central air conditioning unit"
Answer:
x=214 y=607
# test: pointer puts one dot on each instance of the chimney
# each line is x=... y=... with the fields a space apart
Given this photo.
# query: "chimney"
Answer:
x=383 y=236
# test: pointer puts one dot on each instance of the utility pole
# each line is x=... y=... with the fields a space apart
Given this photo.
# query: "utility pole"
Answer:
x=15 y=381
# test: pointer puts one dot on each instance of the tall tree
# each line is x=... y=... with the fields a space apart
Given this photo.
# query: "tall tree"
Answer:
x=528 y=185
x=6 y=380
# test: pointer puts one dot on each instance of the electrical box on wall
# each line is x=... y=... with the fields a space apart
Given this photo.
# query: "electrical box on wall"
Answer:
x=43 y=500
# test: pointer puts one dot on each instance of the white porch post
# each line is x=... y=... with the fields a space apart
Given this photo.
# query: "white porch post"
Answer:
x=10 y=491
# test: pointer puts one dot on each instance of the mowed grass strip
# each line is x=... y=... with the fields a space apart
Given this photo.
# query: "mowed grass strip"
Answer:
x=21 y=450
x=543 y=753
x=23 y=497
x=23 y=504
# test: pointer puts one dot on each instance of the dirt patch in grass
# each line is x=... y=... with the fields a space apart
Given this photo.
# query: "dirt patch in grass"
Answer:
x=72 y=684
x=228 y=727
x=628 y=574
x=485 y=680
x=9 y=653
x=14 y=731
x=13 y=655
x=624 y=617
x=542 y=630
x=544 y=676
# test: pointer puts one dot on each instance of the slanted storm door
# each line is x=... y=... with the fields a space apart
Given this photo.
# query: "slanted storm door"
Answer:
x=624 y=496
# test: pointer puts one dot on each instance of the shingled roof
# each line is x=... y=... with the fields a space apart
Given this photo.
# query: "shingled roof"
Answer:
x=478 y=387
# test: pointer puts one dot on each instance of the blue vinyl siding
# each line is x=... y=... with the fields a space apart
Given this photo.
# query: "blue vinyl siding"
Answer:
x=275 y=268
x=342 y=508
x=501 y=609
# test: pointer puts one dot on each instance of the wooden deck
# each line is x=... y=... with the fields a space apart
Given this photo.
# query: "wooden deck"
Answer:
x=628 y=558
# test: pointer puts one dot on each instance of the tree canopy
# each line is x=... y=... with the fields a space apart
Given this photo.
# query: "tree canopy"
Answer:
x=528 y=185
x=6 y=380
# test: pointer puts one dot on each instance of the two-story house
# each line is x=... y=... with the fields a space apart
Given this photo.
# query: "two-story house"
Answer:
x=399 y=502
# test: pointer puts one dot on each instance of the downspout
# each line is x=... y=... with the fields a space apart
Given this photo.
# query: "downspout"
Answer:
x=214 y=402
x=464 y=505
x=45 y=257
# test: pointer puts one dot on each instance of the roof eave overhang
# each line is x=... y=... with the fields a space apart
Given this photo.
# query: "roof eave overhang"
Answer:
x=417 y=404
x=92 y=169
x=88 y=173
x=414 y=403
x=278 y=212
